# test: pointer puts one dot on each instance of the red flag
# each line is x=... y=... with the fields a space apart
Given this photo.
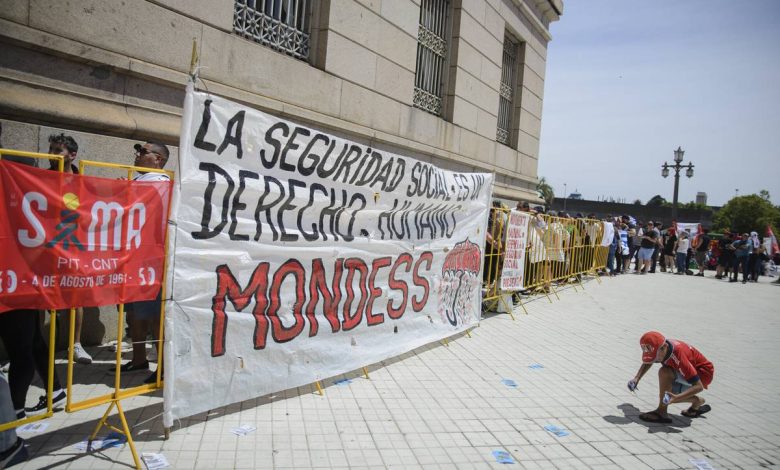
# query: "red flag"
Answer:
x=71 y=240
x=772 y=237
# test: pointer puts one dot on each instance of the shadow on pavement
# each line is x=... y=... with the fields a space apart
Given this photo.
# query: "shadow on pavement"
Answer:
x=631 y=415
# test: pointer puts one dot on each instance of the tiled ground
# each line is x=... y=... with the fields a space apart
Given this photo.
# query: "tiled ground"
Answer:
x=446 y=407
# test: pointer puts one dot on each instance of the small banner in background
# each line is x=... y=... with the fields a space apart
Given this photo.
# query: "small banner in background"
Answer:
x=71 y=240
x=514 y=258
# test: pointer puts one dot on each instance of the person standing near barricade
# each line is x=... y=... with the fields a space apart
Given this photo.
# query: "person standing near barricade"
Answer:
x=656 y=228
x=701 y=245
x=670 y=241
x=684 y=374
x=742 y=249
x=67 y=147
x=143 y=317
x=646 y=249
x=681 y=252
x=726 y=258
x=20 y=331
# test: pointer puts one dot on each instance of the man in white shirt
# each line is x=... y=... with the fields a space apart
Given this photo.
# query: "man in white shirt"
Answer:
x=144 y=316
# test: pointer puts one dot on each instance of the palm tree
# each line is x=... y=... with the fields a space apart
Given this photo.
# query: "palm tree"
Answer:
x=545 y=191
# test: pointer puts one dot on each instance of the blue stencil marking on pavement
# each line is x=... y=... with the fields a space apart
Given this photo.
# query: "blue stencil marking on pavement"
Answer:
x=503 y=456
x=509 y=383
x=536 y=366
x=560 y=432
x=342 y=382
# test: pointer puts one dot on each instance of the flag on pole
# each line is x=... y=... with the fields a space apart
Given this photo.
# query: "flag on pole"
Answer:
x=771 y=236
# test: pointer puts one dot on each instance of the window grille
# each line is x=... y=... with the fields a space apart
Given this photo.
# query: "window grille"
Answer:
x=431 y=55
x=506 y=91
x=278 y=24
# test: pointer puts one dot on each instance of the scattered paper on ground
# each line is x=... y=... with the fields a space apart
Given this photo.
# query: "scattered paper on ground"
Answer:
x=536 y=366
x=560 y=432
x=33 y=428
x=112 y=440
x=243 y=430
x=503 y=456
x=701 y=464
x=153 y=461
x=509 y=383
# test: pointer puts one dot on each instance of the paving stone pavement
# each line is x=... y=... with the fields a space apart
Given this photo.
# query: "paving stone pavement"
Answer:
x=445 y=406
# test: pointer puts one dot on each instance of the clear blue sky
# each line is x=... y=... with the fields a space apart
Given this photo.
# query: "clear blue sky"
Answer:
x=628 y=81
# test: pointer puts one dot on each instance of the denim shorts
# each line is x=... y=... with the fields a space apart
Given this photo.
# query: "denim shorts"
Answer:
x=646 y=254
x=680 y=384
x=146 y=309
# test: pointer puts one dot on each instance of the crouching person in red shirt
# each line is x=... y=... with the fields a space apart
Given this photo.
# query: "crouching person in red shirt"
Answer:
x=684 y=373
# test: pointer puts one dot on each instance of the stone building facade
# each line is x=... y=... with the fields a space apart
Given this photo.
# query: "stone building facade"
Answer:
x=458 y=83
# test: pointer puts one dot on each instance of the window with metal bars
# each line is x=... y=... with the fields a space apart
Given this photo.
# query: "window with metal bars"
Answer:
x=279 y=24
x=506 y=91
x=431 y=55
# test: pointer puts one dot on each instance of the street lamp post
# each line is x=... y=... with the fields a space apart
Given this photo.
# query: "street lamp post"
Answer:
x=565 y=195
x=678 y=156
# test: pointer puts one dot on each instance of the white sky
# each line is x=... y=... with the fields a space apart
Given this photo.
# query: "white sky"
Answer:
x=628 y=81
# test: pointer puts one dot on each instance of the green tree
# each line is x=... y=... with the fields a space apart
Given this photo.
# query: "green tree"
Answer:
x=656 y=200
x=747 y=213
x=545 y=191
x=637 y=202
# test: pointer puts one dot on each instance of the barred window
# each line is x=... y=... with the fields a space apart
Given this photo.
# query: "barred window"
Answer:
x=431 y=55
x=506 y=91
x=279 y=24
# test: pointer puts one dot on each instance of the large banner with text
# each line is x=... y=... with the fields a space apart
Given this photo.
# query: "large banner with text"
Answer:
x=301 y=255
x=70 y=240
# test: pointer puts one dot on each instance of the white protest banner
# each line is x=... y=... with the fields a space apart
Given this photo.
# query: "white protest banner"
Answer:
x=514 y=255
x=301 y=255
x=609 y=233
x=690 y=227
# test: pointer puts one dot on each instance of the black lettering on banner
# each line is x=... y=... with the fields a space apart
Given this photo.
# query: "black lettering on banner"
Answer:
x=205 y=220
x=287 y=205
x=292 y=145
x=371 y=170
x=346 y=164
x=321 y=171
x=313 y=158
x=262 y=206
x=363 y=159
x=238 y=205
x=204 y=128
x=275 y=143
x=232 y=138
x=314 y=234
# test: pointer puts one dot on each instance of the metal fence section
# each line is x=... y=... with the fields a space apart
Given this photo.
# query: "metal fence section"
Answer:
x=431 y=55
x=279 y=24
x=506 y=91
x=558 y=251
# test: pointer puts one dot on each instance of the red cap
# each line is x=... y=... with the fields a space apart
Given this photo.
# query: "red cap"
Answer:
x=650 y=342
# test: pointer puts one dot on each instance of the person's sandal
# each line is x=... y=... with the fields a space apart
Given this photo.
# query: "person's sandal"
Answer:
x=654 y=417
x=696 y=412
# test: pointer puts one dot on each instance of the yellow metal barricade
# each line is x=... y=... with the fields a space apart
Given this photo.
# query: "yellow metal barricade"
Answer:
x=495 y=249
x=559 y=250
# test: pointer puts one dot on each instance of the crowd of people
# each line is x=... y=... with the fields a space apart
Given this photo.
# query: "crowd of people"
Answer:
x=651 y=247
x=20 y=330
